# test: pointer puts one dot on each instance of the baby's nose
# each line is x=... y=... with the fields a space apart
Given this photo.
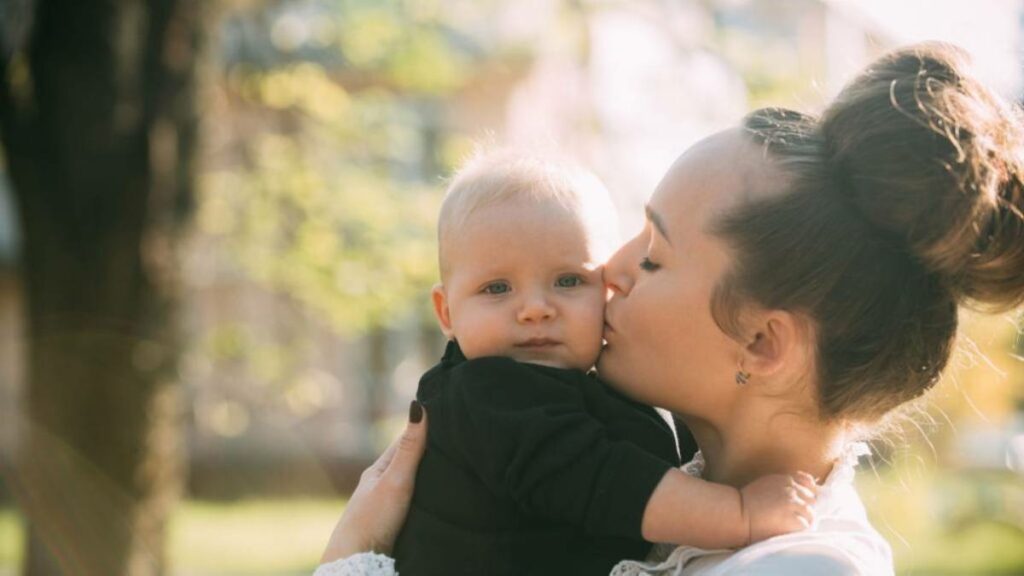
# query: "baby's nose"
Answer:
x=535 y=309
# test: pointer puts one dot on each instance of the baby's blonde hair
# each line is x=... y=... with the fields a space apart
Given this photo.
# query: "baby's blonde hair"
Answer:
x=501 y=175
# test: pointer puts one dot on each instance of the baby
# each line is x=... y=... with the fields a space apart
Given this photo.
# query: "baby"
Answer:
x=534 y=466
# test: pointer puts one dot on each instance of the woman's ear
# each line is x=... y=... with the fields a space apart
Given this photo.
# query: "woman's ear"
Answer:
x=778 y=343
x=440 y=299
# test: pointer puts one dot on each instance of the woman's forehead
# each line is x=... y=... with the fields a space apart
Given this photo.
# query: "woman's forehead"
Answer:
x=715 y=174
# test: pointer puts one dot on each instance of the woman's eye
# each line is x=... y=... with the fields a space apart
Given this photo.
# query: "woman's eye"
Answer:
x=497 y=288
x=569 y=281
x=648 y=265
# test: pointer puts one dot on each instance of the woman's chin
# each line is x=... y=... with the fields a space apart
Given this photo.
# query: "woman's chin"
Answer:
x=614 y=371
x=608 y=369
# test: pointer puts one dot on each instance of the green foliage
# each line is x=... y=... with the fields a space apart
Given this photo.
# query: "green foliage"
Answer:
x=347 y=241
x=414 y=55
x=336 y=199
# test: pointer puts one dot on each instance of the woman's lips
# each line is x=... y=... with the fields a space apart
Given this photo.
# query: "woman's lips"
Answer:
x=606 y=334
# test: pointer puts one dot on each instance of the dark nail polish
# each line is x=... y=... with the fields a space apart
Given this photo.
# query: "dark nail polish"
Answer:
x=415 y=412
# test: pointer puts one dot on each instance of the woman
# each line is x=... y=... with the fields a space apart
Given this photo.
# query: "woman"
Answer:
x=798 y=279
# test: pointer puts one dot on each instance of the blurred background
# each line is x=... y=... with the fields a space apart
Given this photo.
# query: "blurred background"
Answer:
x=217 y=242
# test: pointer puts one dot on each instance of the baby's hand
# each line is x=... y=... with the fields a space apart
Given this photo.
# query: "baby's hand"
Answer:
x=778 y=504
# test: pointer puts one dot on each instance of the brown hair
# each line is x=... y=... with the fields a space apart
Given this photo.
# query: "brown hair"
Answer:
x=903 y=200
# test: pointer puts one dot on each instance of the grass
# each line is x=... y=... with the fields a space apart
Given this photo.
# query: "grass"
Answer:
x=915 y=512
x=11 y=539
x=251 y=537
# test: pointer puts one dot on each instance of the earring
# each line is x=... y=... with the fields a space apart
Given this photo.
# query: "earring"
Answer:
x=742 y=377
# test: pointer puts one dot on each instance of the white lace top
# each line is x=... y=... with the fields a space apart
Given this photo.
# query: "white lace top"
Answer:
x=840 y=543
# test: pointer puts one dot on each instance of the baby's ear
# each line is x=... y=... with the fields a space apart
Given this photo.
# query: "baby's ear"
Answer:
x=440 y=299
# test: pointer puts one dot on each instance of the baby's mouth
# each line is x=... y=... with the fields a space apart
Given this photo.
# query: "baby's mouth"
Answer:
x=537 y=343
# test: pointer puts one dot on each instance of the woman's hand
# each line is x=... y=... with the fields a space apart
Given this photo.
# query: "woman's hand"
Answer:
x=376 y=511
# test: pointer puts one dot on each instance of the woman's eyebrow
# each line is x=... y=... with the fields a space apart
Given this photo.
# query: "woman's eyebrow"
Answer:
x=657 y=221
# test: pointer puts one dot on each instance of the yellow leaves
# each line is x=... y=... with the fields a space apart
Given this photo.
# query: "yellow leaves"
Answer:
x=427 y=63
x=369 y=36
x=278 y=91
x=304 y=87
x=322 y=98
x=227 y=342
x=341 y=236
x=318 y=242
x=409 y=47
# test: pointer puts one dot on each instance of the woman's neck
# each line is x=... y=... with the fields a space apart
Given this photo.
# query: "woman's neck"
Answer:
x=751 y=443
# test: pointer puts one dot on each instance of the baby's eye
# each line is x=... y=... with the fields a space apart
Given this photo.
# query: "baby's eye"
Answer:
x=497 y=288
x=569 y=281
x=648 y=265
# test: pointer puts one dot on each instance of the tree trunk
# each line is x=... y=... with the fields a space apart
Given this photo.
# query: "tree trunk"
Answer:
x=98 y=118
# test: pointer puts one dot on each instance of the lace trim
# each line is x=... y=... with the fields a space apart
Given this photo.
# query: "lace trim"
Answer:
x=362 y=564
x=677 y=557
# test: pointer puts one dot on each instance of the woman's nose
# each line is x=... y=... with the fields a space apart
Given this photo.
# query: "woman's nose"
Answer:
x=535 y=309
x=619 y=272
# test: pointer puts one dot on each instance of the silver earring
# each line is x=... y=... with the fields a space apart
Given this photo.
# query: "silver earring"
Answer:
x=742 y=377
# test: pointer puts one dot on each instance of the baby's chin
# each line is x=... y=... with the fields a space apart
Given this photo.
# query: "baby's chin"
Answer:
x=554 y=361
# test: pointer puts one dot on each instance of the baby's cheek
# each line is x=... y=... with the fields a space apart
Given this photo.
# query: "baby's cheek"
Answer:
x=479 y=337
x=592 y=328
x=597 y=307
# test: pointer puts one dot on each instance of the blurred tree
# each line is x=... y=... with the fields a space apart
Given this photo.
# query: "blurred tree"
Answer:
x=99 y=126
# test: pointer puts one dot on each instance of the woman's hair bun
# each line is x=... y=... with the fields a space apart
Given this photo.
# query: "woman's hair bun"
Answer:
x=928 y=154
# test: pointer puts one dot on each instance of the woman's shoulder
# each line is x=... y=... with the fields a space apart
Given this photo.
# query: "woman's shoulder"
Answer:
x=812 y=559
x=855 y=550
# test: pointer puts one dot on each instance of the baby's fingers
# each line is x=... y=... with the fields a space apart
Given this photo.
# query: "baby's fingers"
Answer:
x=806 y=480
x=805 y=516
x=802 y=499
x=802 y=494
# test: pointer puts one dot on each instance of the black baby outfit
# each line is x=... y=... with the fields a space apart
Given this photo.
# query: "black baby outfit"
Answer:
x=529 y=470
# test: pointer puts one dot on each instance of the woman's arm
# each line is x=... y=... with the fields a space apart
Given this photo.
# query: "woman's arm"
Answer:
x=376 y=511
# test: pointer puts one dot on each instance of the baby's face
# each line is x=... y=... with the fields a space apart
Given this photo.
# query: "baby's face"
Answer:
x=523 y=283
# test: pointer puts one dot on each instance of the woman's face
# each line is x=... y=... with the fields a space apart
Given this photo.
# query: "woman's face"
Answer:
x=663 y=347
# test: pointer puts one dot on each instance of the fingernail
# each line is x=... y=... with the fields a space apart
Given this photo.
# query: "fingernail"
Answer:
x=415 y=412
